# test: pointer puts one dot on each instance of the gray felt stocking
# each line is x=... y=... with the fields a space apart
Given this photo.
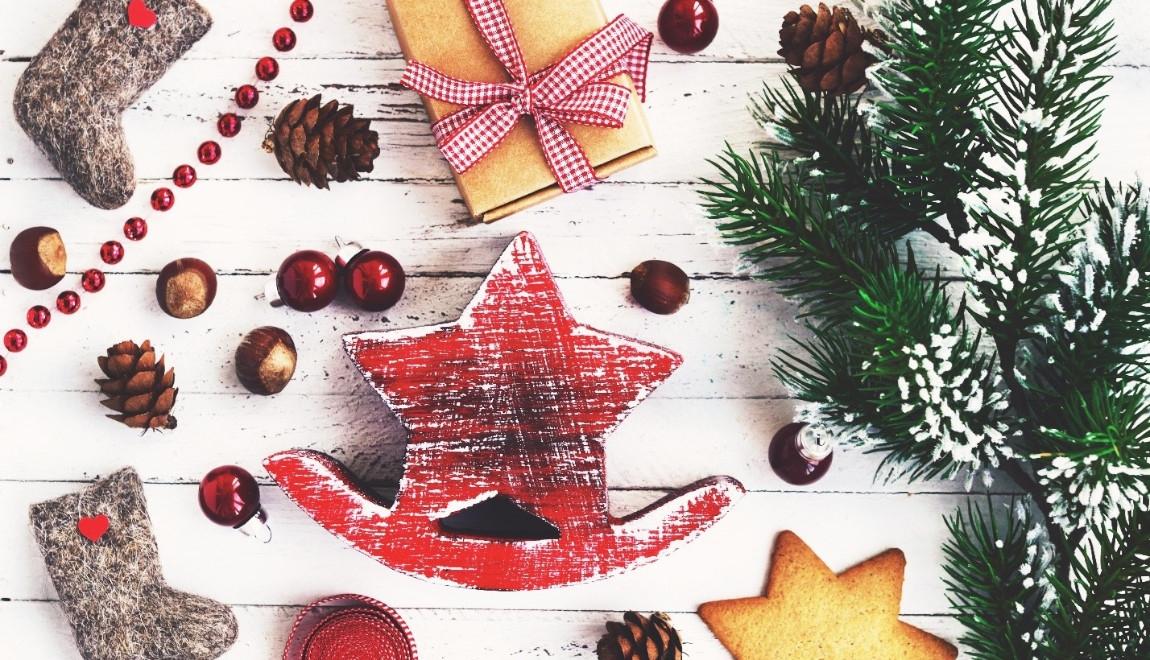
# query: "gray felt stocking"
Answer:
x=71 y=96
x=108 y=576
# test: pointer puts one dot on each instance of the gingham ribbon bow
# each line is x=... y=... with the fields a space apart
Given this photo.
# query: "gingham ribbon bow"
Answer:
x=574 y=90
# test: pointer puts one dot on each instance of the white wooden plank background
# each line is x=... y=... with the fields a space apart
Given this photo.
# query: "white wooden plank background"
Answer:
x=716 y=415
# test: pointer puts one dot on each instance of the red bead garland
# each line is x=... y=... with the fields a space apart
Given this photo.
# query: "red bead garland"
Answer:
x=135 y=229
x=68 y=302
x=302 y=11
x=15 y=340
x=93 y=280
x=209 y=152
x=229 y=125
x=284 y=39
x=247 y=96
x=184 y=176
x=39 y=317
x=267 y=69
x=112 y=252
x=163 y=199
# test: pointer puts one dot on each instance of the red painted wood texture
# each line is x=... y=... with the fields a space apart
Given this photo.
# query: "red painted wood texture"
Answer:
x=515 y=399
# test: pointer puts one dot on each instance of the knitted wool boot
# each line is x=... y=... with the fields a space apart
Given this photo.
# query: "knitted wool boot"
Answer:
x=72 y=94
x=103 y=559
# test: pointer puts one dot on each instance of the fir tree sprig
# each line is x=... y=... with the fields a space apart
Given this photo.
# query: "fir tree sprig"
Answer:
x=994 y=559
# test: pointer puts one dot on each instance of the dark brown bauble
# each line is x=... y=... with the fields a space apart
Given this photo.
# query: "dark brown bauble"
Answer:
x=138 y=386
x=825 y=49
x=316 y=143
x=39 y=260
x=641 y=638
x=186 y=288
x=660 y=286
x=265 y=360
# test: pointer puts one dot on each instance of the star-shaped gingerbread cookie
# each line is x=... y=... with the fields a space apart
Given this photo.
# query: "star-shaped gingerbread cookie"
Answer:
x=809 y=612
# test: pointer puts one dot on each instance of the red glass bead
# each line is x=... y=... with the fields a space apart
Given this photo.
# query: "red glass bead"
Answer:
x=184 y=176
x=68 y=302
x=229 y=496
x=267 y=68
x=283 y=39
x=247 y=96
x=163 y=199
x=302 y=11
x=135 y=229
x=15 y=340
x=308 y=281
x=3 y=365
x=39 y=317
x=374 y=280
x=688 y=26
x=209 y=152
x=92 y=280
x=229 y=125
x=112 y=252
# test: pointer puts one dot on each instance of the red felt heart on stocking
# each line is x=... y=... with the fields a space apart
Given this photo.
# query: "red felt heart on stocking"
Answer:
x=140 y=14
x=93 y=528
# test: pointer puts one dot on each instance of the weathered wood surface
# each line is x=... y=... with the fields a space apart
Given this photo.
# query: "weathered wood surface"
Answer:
x=714 y=416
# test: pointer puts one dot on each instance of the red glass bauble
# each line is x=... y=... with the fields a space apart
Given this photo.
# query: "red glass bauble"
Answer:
x=163 y=199
x=283 y=39
x=3 y=365
x=247 y=96
x=267 y=68
x=229 y=496
x=374 y=280
x=688 y=26
x=209 y=152
x=15 y=340
x=184 y=176
x=68 y=302
x=799 y=456
x=39 y=317
x=135 y=229
x=308 y=281
x=112 y=252
x=92 y=280
x=302 y=11
x=229 y=124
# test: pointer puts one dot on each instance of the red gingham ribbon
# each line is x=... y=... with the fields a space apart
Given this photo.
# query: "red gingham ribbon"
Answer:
x=574 y=90
x=365 y=629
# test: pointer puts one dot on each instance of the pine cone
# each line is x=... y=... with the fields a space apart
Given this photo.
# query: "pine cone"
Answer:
x=317 y=143
x=641 y=638
x=138 y=387
x=825 y=49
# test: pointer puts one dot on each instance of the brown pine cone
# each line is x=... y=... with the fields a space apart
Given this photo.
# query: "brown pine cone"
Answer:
x=641 y=638
x=825 y=49
x=316 y=143
x=138 y=386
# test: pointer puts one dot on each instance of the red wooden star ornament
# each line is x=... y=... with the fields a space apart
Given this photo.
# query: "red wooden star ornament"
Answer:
x=506 y=410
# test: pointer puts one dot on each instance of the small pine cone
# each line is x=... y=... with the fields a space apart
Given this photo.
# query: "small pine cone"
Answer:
x=641 y=638
x=316 y=143
x=138 y=386
x=825 y=49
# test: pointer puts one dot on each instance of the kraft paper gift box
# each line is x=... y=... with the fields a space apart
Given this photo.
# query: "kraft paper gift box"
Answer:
x=515 y=175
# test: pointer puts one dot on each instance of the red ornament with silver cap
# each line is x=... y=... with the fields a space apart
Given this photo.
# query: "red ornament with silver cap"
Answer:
x=374 y=280
x=307 y=281
x=800 y=454
x=230 y=496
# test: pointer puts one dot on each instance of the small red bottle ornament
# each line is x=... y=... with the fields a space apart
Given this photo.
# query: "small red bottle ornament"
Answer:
x=307 y=281
x=374 y=280
x=688 y=26
x=230 y=496
x=799 y=455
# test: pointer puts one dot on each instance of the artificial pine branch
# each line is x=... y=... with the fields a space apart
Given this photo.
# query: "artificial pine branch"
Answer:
x=988 y=559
